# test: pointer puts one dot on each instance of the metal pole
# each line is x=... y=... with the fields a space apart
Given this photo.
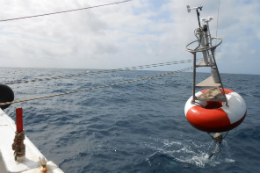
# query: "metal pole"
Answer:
x=198 y=15
x=194 y=77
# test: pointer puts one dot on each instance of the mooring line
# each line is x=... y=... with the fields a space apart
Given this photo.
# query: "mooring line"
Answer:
x=104 y=71
x=104 y=86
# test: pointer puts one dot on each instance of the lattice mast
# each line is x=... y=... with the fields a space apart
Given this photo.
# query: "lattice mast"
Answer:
x=206 y=47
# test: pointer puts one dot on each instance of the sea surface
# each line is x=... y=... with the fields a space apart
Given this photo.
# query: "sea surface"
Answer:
x=136 y=127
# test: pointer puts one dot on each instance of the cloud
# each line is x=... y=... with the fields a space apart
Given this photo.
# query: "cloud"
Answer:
x=134 y=33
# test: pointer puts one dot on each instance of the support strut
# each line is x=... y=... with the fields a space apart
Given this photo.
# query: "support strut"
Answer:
x=217 y=138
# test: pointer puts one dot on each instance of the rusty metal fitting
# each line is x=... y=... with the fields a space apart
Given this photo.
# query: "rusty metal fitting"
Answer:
x=18 y=146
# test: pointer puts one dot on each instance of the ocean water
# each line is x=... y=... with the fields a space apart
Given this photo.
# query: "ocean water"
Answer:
x=137 y=127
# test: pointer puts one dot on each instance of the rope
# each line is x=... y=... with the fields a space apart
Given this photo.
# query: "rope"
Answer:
x=18 y=145
x=66 y=11
x=103 y=71
x=104 y=86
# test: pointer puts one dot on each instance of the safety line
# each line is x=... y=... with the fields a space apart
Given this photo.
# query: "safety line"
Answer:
x=66 y=11
x=104 y=71
x=104 y=86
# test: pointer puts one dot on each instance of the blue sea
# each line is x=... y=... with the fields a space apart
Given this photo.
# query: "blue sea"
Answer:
x=137 y=127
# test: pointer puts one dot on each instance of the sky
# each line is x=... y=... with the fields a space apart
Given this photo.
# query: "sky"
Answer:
x=135 y=33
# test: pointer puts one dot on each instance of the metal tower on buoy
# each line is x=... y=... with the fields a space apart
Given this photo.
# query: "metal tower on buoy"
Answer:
x=206 y=47
x=215 y=109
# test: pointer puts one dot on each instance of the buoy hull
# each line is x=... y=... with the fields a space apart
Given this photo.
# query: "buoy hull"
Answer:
x=213 y=116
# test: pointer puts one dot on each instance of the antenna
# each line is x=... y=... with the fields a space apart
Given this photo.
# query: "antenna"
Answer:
x=197 y=10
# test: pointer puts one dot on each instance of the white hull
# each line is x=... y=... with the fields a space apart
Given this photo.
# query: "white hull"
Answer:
x=31 y=161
